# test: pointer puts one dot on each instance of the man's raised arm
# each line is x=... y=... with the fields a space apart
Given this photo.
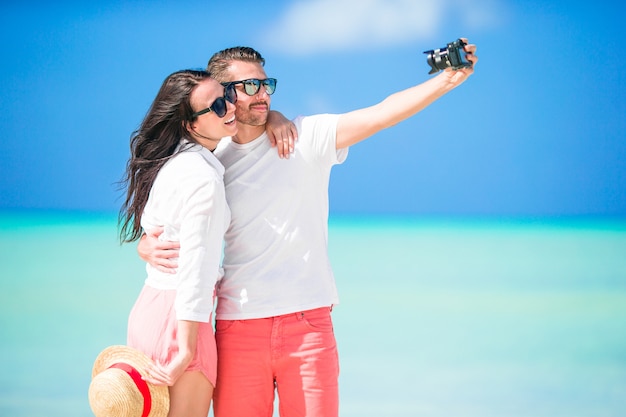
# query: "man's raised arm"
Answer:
x=354 y=126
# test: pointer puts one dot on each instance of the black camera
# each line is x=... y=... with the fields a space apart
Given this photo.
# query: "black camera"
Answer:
x=452 y=56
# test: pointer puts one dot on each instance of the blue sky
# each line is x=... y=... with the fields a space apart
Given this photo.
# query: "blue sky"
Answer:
x=539 y=130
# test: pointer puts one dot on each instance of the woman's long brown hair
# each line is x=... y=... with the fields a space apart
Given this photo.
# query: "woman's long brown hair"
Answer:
x=154 y=143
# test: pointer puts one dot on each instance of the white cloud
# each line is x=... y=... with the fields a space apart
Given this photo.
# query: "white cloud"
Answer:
x=310 y=26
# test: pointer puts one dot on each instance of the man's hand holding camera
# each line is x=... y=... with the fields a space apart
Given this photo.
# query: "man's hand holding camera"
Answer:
x=456 y=60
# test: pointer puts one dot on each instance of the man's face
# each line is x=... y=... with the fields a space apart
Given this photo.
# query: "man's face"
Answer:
x=251 y=110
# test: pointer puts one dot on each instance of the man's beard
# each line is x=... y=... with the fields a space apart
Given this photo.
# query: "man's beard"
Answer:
x=245 y=116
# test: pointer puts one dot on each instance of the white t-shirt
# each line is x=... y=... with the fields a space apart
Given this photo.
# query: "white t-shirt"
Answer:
x=276 y=254
x=188 y=199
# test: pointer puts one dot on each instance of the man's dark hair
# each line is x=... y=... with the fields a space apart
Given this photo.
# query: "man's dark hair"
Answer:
x=220 y=61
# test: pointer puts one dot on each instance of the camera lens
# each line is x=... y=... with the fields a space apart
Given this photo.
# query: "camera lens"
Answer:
x=437 y=59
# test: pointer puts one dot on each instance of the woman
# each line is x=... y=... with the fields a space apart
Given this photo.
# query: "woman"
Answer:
x=174 y=181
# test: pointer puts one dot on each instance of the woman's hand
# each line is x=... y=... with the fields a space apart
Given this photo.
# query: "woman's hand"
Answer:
x=282 y=133
x=160 y=374
x=187 y=340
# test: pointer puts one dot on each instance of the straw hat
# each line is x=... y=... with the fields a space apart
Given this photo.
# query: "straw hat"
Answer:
x=117 y=390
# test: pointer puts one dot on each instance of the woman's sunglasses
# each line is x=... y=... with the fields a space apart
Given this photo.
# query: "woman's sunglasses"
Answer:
x=219 y=105
x=252 y=86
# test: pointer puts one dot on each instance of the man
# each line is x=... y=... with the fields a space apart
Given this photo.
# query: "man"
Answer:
x=273 y=321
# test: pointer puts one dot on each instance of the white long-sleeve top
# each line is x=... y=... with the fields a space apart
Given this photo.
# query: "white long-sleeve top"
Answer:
x=189 y=201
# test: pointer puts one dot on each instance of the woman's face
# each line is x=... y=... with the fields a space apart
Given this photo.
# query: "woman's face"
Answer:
x=208 y=128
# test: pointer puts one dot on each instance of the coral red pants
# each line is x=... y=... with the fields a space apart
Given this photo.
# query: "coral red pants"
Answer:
x=294 y=354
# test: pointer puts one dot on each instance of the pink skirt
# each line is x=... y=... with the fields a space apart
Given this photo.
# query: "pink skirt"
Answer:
x=152 y=329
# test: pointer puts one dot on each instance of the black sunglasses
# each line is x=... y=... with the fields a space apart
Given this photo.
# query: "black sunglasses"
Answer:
x=252 y=86
x=219 y=105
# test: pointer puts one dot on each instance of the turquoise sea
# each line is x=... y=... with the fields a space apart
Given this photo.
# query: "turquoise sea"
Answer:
x=438 y=317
